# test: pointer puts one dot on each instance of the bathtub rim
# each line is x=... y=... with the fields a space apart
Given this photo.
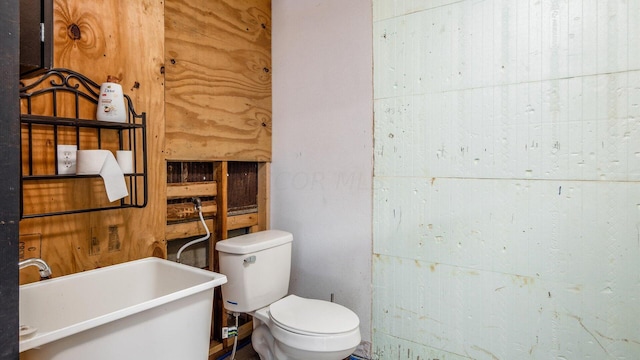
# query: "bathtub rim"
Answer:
x=44 y=338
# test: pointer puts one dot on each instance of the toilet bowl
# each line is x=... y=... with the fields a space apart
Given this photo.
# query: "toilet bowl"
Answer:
x=297 y=328
x=257 y=267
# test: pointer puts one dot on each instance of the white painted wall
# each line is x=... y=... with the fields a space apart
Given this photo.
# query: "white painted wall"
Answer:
x=507 y=179
x=321 y=173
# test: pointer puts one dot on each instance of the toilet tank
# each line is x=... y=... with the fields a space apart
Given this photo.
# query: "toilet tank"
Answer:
x=257 y=267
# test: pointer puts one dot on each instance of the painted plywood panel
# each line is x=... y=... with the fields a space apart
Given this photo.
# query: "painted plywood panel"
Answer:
x=506 y=180
x=97 y=39
x=539 y=229
x=468 y=313
x=218 y=80
x=572 y=128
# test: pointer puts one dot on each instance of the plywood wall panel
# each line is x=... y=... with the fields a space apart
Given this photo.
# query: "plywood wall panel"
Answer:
x=218 y=79
x=506 y=182
x=124 y=39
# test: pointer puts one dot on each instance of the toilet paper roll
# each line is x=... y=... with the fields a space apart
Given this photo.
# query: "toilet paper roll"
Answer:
x=125 y=160
x=102 y=162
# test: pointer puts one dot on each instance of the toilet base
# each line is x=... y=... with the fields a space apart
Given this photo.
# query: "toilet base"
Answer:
x=263 y=342
x=268 y=348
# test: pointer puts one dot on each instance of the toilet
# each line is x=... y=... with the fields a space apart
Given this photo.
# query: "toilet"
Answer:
x=285 y=327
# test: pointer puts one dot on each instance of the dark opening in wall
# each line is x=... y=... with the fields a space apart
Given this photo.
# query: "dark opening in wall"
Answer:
x=242 y=187
x=189 y=171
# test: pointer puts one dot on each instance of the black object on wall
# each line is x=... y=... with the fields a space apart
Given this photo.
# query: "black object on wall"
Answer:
x=36 y=27
x=10 y=178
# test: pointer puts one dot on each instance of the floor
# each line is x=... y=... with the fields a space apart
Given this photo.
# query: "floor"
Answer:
x=246 y=353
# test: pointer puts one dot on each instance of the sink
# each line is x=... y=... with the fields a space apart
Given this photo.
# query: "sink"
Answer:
x=145 y=309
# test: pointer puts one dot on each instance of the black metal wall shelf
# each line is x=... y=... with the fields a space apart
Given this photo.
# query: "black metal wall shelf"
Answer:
x=52 y=108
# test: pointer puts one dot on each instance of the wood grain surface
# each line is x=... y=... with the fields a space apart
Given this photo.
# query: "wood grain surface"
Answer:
x=218 y=79
x=97 y=39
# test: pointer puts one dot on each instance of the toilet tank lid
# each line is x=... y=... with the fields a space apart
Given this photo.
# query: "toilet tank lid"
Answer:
x=249 y=243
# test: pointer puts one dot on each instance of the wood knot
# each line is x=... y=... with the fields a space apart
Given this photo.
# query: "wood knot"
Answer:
x=73 y=31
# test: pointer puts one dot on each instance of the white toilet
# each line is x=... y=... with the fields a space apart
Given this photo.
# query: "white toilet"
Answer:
x=257 y=267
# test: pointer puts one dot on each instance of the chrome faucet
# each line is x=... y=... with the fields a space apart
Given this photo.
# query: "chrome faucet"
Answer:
x=43 y=268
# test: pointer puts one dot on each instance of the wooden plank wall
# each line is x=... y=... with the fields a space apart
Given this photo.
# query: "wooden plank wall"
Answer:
x=124 y=39
x=207 y=63
x=218 y=79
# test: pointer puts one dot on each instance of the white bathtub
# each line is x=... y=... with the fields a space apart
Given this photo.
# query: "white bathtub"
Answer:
x=145 y=309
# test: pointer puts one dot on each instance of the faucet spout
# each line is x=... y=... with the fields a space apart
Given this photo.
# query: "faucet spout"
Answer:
x=43 y=267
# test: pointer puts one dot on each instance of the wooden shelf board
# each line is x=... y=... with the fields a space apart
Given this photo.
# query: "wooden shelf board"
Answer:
x=187 y=190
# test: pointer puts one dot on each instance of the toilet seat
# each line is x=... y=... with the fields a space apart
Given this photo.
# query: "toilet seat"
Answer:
x=294 y=312
x=312 y=317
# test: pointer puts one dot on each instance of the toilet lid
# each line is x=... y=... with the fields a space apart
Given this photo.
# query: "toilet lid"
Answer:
x=312 y=316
